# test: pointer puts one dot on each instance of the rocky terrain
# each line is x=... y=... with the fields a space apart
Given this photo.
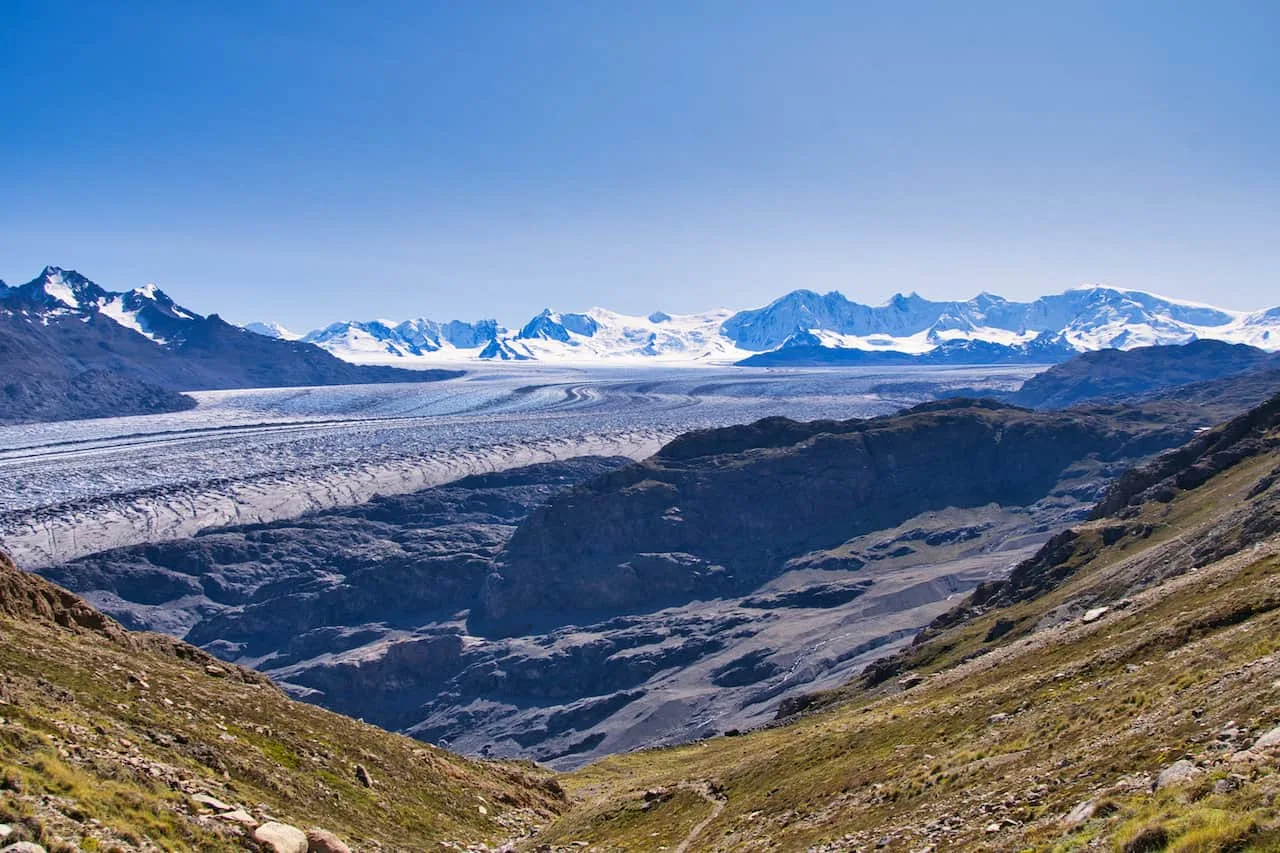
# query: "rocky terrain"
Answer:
x=1119 y=691
x=849 y=537
x=1208 y=381
x=720 y=512
x=1126 y=374
x=115 y=741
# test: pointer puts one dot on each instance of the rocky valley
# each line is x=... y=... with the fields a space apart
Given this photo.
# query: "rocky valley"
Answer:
x=1138 y=637
x=571 y=610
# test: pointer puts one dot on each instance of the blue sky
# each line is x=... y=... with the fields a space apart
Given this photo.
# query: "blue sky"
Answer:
x=292 y=162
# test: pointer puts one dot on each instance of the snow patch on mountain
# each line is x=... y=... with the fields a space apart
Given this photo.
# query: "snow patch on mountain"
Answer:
x=271 y=330
x=113 y=308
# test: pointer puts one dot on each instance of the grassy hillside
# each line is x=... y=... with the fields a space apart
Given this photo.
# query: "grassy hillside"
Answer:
x=106 y=736
x=1029 y=704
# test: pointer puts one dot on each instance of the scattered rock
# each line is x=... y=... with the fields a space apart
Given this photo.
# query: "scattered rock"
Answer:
x=911 y=679
x=1176 y=773
x=24 y=847
x=281 y=838
x=5 y=831
x=323 y=841
x=1093 y=614
x=1229 y=784
x=212 y=803
x=997 y=718
x=239 y=816
x=1270 y=740
x=363 y=777
x=215 y=671
x=1080 y=814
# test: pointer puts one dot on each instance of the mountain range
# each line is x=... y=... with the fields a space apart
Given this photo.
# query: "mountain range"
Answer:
x=71 y=349
x=806 y=328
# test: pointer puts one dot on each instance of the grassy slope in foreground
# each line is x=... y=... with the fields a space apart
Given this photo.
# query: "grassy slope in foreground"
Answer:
x=106 y=735
x=1025 y=712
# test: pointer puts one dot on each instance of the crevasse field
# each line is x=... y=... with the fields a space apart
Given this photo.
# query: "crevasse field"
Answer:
x=76 y=487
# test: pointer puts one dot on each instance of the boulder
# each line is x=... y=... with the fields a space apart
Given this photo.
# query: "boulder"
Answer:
x=239 y=816
x=1176 y=773
x=24 y=847
x=363 y=777
x=211 y=803
x=280 y=838
x=324 y=841
x=1270 y=740
x=1080 y=814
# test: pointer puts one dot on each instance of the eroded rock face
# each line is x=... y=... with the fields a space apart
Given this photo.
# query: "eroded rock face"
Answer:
x=718 y=513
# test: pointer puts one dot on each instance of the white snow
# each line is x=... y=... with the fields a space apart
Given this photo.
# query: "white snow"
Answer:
x=61 y=291
x=113 y=308
x=1116 y=318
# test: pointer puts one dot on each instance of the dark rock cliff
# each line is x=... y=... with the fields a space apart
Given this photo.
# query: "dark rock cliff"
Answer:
x=718 y=512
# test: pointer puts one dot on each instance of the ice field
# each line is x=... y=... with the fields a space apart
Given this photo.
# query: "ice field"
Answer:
x=76 y=487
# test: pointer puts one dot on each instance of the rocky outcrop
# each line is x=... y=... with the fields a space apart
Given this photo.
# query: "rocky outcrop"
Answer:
x=719 y=512
x=1195 y=462
x=30 y=597
x=1112 y=373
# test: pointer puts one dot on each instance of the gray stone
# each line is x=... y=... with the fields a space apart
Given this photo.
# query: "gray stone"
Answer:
x=24 y=847
x=1270 y=740
x=281 y=838
x=239 y=816
x=1177 y=773
x=1080 y=814
x=212 y=803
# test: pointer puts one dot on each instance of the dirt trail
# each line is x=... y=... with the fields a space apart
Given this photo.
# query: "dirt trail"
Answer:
x=712 y=796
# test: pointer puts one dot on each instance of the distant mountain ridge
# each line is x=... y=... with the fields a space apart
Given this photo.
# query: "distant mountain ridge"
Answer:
x=808 y=328
x=71 y=349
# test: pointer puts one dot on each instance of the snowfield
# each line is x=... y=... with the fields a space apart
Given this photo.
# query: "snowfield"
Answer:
x=77 y=487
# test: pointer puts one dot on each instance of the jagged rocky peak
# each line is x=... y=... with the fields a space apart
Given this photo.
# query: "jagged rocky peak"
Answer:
x=55 y=289
x=557 y=327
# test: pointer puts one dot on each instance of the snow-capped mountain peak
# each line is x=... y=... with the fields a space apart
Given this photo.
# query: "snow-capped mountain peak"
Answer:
x=147 y=310
x=986 y=325
x=803 y=324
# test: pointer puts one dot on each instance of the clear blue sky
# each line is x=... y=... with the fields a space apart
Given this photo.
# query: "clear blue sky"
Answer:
x=308 y=162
